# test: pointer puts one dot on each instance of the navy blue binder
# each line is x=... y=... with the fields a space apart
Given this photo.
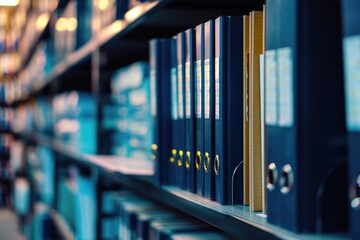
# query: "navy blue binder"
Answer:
x=174 y=114
x=306 y=141
x=273 y=195
x=351 y=53
x=189 y=110
x=160 y=56
x=209 y=97
x=228 y=115
x=180 y=161
x=199 y=105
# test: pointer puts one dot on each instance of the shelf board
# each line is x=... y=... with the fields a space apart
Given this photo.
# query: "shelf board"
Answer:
x=117 y=164
x=237 y=220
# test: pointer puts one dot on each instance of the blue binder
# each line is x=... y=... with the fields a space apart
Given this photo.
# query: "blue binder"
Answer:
x=306 y=140
x=228 y=115
x=189 y=109
x=199 y=105
x=351 y=53
x=209 y=84
x=160 y=106
x=273 y=196
x=174 y=114
x=180 y=161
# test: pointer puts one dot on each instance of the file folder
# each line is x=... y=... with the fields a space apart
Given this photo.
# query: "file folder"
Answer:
x=174 y=114
x=256 y=48
x=199 y=105
x=209 y=84
x=246 y=157
x=306 y=139
x=262 y=114
x=351 y=53
x=190 y=109
x=180 y=161
x=228 y=115
x=160 y=55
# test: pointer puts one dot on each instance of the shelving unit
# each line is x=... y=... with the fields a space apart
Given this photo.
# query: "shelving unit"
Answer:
x=238 y=221
x=118 y=45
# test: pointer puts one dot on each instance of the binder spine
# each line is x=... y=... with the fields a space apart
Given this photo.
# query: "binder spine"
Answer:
x=190 y=112
x=163 y=85
x=220 y=159
x=274 y=161
x=199 y=108
x=154 y=95
x=180 y=161
x=209 y=92
x=234 y=113
x=174 y=113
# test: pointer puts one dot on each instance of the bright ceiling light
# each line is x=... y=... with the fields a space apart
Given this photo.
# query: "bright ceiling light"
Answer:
x=137 y=11
x=42 y=21
x=103 y=4
x=9 y=3
x=71 y=24
x=60 y=24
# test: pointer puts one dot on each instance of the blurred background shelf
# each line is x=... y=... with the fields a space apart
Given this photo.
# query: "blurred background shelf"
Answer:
x=129 y=39
x=42 y=31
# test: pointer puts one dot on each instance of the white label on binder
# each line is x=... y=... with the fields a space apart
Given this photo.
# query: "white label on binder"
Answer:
x=286 y=91
x=188 y=90
x=198 y=88
x=174 y=105
x=270 y=88
x=153 y=92
x=352 y=81
x=207 y=88
x=217 y=89
x=180 y=92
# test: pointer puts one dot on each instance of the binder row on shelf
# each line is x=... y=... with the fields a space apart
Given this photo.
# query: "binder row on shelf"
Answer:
x=251 y=110
x=199 y=133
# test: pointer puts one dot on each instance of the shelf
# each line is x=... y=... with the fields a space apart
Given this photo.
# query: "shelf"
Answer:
x=130 y=40
x=238 y=221
x=64 y=67
x=117 y=164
